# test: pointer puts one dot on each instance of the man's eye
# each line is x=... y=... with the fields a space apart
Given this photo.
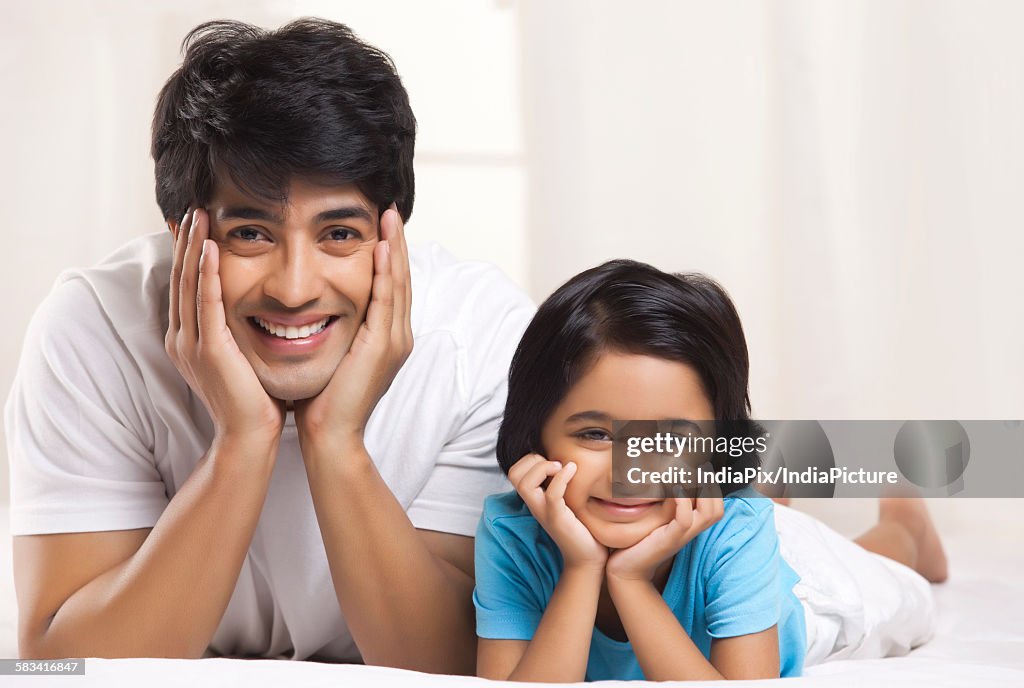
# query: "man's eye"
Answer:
x=594 y=435
x=342 y=234
x=249 y=234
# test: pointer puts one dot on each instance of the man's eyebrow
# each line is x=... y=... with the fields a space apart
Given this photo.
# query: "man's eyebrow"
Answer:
x=249 y=213
x=240 y=212
x=350 y=212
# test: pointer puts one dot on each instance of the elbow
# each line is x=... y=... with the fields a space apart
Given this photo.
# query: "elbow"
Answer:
x=41 y=645
x=32 y=639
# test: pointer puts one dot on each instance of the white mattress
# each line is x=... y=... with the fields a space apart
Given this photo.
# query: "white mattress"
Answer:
x=979 y=642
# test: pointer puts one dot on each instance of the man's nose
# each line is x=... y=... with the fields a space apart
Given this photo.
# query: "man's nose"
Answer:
x=295 y=278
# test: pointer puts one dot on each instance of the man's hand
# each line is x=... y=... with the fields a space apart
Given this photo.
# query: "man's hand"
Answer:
x=579 y=548
x=334 y=420
x=202 y=347
x=639 y=562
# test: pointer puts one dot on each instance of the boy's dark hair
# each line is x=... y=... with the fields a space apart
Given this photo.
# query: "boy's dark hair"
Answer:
x=628 y=307
x=309 y=100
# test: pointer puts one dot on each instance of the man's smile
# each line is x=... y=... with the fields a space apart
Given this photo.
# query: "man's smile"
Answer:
x=290 y=335
x=294 y=327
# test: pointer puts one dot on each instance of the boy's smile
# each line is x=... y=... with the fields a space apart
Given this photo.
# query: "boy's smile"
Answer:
x=619 y=386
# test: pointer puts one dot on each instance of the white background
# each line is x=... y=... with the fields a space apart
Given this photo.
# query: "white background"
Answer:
x=851 y=171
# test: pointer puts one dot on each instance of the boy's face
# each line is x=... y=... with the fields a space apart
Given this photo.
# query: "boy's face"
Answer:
x=618 y=387
x=292 y=268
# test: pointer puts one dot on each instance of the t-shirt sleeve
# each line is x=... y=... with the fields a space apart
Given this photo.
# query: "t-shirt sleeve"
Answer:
x=493 y=314
x=507 y=606
x=79 y=447
x=742 y=573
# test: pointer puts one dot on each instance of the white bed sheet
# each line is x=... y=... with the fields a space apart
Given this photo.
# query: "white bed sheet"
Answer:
x=979 y=641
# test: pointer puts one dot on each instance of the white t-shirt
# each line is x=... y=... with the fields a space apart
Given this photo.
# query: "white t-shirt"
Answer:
x=102 y=431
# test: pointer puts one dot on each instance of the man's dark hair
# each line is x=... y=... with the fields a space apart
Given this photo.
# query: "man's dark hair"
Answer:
x=627 y=307
x=309 y=100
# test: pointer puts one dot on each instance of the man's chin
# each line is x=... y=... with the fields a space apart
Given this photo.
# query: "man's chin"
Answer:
x=294 y=389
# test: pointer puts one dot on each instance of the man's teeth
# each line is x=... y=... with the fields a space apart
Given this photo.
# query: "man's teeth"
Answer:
x=291 y=332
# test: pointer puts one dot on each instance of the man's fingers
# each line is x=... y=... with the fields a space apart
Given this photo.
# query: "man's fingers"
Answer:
x=393 y=231
x=178 y=255
x=190 y=275
x=208 y=294
x=381 y=310
x=405 y=281
x=408 y=271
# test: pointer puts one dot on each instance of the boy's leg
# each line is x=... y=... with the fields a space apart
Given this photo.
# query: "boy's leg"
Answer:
x=905 y=533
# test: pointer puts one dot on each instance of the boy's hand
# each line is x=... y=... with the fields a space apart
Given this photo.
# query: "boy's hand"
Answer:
x=202 y=347
x=692 y=517
x=333 y=422
x=578 y=546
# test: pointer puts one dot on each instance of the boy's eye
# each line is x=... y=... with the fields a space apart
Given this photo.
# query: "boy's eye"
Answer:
x=594 y=435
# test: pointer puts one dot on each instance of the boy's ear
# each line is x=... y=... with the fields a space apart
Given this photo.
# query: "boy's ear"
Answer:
x=172 y=226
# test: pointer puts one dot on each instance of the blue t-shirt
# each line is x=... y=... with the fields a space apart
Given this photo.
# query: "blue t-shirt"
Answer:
x=727 y=581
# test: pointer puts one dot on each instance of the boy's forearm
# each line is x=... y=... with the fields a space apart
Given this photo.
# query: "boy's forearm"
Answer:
x=404 y=606
x=167 y=599
x=663 y=648
x=560 y=647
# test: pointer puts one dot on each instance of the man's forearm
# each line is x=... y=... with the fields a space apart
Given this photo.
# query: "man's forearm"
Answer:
x=167 y=599
x=405 y=607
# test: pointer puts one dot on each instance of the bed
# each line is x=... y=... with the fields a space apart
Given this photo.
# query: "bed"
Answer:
x=979 y=641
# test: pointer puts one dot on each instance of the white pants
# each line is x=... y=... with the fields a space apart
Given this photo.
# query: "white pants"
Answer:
x=858 y=604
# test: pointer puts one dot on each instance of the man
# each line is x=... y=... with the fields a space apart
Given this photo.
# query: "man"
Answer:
x=222 y=439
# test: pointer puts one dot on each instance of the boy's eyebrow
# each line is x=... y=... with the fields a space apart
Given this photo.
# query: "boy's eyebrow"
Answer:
x=250 y=213
x=589 y=415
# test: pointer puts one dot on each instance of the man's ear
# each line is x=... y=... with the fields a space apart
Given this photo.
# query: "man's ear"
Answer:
x=172 y=226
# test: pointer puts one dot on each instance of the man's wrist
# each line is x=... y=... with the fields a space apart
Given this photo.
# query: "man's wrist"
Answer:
x=344 y=451
x=249 y=452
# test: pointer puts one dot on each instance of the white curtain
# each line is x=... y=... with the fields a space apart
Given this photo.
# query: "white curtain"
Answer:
x=851 y=171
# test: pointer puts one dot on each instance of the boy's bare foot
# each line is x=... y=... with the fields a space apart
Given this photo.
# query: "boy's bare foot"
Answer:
x=911 y=514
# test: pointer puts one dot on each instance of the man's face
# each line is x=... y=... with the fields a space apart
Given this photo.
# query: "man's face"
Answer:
x=296 y=279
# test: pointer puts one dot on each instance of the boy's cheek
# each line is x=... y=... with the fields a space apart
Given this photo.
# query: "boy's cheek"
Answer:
x=576 y=498
x=668 y=511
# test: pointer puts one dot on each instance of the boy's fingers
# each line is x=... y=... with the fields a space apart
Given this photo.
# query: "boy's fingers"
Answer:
x=709 y=510
x=520 y=467
x=539 y=473
x=555 y=491
x=177 y=256
x=684 y=512
x=530 y=487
